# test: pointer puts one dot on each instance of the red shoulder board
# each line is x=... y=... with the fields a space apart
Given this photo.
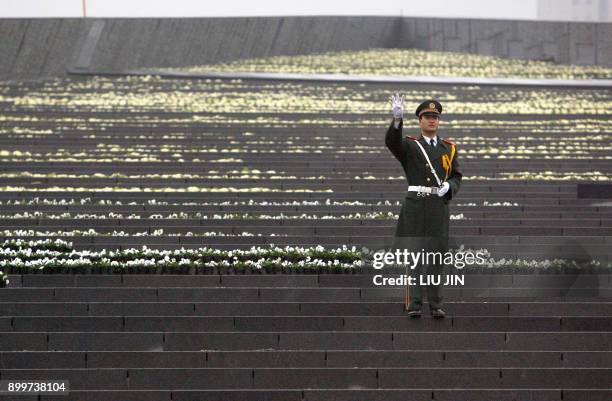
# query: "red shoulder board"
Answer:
x=411 y=137
x=449 y=142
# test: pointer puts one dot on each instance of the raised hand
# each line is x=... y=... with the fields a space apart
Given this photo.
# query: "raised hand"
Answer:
x=397 y=106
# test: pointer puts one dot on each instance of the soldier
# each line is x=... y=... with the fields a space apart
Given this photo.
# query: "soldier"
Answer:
x=434 y=177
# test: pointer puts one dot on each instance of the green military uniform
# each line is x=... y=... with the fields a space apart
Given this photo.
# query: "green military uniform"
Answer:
x=424 y=218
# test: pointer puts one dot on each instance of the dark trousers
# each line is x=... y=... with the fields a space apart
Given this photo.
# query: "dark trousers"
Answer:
x=434 y=292
x=431 y=266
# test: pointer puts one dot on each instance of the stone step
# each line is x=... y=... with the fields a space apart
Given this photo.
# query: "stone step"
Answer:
x=300 y=227
x=343 y=323
x=472 y=215
x=482 y=240
x=580 y=309
x=321 y=378
x=302 y=280
x=322 y=225
x=536 y=201
x=308 y=340
x=330 y=395
x=276 y=294
x=495 y=213
x=338 y=176
x=341 y=185
x=296 y=358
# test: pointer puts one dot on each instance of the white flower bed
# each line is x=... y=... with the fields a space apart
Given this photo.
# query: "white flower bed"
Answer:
x=58 y=256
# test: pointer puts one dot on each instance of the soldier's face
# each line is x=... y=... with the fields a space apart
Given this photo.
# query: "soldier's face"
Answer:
x=429 y=123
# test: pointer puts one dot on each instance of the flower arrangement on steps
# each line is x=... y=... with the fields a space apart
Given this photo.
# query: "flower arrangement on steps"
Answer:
x=57 y=256
x=50 y=256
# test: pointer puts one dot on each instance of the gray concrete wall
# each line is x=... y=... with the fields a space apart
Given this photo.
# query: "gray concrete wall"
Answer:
x=32 y=48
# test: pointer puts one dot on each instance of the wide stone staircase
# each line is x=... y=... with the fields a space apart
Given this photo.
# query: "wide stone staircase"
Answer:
x=305 y=337
x=144 y=171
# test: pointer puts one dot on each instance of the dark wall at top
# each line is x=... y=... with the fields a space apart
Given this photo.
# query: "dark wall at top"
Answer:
x=32 y=48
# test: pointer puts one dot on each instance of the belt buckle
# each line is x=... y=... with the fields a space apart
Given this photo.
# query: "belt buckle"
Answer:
x=422 y=194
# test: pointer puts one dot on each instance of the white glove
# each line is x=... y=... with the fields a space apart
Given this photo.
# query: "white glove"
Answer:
x=444 y=189
x=397 y=106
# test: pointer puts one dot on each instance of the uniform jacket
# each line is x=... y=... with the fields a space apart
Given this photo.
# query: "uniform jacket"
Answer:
x=424 y=216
